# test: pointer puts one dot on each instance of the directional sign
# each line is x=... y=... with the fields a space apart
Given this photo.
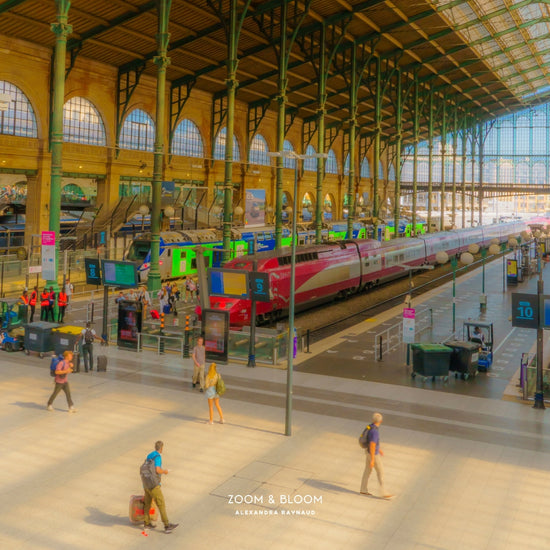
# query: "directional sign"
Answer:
x=525 y=310
x=93 y=271
x=259 y=286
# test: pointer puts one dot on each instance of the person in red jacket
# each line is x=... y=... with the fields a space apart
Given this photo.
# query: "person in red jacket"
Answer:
x=44 y=305
x=62 y=302
x=32 y=302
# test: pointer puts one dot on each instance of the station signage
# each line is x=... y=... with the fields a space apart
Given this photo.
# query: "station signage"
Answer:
x=525 y=310
x=409 y=315
x=49 y=271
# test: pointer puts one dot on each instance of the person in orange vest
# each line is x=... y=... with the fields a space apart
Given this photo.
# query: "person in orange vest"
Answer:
x=62 y=302
x=32 y=302
x=44 y=304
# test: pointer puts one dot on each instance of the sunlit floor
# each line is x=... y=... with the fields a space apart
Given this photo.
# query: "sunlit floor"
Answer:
x=468 y=473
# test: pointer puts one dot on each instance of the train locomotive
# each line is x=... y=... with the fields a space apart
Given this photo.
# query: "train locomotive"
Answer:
x=343 y=268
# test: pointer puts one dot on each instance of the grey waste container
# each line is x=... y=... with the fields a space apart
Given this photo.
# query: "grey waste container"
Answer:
x=464 y=358
x=38 y=337
x=431 y=360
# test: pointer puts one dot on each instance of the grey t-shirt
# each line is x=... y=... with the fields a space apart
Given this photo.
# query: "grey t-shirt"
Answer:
x=199 y=353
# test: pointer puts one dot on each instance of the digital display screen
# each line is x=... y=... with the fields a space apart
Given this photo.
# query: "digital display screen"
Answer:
x=121 y=274
x=93 y=271
x=215 y=327
x=228 y=282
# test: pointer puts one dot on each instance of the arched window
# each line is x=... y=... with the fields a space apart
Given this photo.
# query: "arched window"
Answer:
x=219 y=146
x=346 y=166
x=19 y=119
x=138 y=131
x=331 y=166
x=82 y=122
x=258 y=151
x=288 y=162
x=187 y=140
x=380 y=170
x=365 y=168
x=310 y=164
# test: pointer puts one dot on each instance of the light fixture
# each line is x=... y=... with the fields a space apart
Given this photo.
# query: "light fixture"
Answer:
x=169 y=211
x=144 y=210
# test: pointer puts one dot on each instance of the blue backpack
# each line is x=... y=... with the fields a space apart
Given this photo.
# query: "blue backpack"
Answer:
x=53 y=365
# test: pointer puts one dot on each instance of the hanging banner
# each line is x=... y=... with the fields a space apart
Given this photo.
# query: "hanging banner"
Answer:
x=49 y=271
x=254 y=213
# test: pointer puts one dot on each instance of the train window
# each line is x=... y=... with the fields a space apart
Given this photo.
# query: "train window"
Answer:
x=301 y=241
x=169 y=252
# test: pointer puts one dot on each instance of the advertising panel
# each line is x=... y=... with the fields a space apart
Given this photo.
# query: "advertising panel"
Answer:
x=254 y=212
x=129 y=324
x=215 y=327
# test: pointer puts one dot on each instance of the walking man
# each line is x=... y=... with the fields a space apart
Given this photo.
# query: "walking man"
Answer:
x=68 y=290
x=61 y=383
x=374 y=456
x=87 y=337
x=156 y=493
x=199 y=361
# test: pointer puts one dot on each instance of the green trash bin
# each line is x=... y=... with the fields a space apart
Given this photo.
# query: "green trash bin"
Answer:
x=464 y=358
x=431 y=360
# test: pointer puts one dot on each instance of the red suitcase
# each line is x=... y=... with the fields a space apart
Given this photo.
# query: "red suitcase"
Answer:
x=136 y=509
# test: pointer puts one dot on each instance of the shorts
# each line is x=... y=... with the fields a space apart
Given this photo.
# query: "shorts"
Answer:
x=211 y=392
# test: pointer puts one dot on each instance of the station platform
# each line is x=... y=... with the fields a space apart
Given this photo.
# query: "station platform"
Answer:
x=468 y=472
x=351 y=353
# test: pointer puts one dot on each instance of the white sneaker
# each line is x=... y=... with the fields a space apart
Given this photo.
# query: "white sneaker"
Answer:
x=72 y=410
x=49 y=408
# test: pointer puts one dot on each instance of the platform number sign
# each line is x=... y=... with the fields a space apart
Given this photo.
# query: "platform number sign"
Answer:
x=259 y=286
x=93 y=271
x=525 y=310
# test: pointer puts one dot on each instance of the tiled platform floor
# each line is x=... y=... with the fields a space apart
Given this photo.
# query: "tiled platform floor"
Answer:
x=469 y=473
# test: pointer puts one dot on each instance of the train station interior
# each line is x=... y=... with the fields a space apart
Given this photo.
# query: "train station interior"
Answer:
x=381 y=166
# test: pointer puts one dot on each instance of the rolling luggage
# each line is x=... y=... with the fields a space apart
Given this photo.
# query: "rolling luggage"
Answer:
x=136 y=509
x=101 y=363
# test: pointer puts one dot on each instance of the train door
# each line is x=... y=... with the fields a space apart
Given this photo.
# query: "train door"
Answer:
x=217 y=257
x=179 y=262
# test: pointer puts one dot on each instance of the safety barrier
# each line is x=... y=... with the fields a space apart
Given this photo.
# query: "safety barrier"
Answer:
x=391 y=338
x=528 y=377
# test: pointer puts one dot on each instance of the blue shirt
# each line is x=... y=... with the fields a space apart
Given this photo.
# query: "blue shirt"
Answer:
x=156 y=456
x=373 y=436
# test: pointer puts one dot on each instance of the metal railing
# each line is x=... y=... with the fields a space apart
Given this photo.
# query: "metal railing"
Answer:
x=391 y=338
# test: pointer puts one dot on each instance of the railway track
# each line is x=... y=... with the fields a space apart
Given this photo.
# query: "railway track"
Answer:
x=329 y=318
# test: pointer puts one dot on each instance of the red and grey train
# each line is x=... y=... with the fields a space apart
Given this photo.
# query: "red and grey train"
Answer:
x=340 y=269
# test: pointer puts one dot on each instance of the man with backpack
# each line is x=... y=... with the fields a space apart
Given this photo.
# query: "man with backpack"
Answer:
x=61 y=368
x=87 y=337
x=150 y=473
x=374 y=455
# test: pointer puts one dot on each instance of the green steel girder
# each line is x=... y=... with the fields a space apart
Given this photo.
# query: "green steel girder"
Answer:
x=127 y=82
x=256 y=113
x=179 y=94
x=331 y=133
x=9 y=4
x=366 y=140
x=115 y=22
x=219 y=114
x=290 y=117
x=309 y=128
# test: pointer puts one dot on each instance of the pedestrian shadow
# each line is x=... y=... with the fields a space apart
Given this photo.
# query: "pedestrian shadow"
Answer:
x=98 y=517
x=29 y=405
x=325 y=486
x=204 y=420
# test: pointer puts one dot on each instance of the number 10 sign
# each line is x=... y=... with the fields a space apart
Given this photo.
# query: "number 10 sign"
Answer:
x=525 y=310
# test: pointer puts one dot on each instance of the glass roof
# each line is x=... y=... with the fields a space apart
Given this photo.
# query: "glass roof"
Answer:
x=511 y=36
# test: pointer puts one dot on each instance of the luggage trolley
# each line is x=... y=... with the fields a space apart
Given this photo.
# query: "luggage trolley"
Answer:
x=485 y=340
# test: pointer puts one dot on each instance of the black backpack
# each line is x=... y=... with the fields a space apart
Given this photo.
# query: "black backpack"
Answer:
x=364 y=438
x=148 y=473
x=88 y=336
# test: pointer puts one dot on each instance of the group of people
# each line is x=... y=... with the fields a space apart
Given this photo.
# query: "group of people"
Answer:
x=48 y=300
